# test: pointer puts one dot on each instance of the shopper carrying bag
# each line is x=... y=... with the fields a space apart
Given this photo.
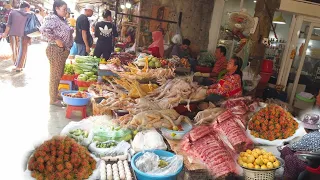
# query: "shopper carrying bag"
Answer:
x=32 y=26
x=5 y=50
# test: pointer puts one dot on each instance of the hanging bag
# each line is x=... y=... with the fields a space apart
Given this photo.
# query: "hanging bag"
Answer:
x=5 y=50
x=32 y=26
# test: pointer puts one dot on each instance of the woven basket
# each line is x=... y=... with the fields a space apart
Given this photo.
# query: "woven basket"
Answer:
x=259 y=175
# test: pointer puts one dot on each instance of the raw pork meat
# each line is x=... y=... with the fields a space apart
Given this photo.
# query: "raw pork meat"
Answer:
x=235 y=135
x=199 y=132
x=224 y=116
x=238 y=110
x=212 y=151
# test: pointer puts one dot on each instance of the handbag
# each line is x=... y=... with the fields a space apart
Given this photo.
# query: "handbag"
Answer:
x=32 y=26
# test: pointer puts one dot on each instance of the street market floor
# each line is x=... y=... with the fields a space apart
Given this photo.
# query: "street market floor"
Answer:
x=26 y=115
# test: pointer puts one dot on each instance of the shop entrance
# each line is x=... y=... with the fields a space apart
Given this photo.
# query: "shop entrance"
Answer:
x=300 y=70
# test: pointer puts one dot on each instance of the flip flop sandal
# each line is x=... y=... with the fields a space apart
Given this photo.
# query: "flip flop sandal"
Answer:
x=59 y=104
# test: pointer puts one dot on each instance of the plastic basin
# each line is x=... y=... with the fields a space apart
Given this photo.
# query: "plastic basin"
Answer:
x=176 y=135
x=265 y=77
x=143 y=176
x=267 y=66
x=75 y=101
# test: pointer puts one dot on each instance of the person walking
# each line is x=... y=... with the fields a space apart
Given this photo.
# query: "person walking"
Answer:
x=59 y=34
x=106 y=32
x=83 y=37
x=15 y=30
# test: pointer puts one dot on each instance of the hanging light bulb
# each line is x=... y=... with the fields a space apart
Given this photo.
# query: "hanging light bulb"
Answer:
x=122 y=6
x=128 y=5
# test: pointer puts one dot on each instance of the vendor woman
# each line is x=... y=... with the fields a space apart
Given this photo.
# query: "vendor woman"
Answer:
x=231 y=84
x=156 y=49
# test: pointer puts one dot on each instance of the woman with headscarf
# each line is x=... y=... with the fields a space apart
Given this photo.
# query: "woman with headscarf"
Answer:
x=156 y=49
x=310 y=142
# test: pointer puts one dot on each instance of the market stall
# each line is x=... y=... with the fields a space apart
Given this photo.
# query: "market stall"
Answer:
x=151 y=119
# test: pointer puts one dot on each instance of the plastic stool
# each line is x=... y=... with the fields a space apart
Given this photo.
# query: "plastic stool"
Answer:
x=67 y=82
x=83 y=110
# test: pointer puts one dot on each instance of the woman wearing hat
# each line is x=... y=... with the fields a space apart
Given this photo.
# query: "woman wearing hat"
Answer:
x=309 y=142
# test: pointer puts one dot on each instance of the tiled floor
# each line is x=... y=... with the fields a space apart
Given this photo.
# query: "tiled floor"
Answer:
x=26 y=115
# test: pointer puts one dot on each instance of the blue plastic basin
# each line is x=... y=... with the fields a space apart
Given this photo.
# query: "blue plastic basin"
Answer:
x=75 y=101
x=144 y=176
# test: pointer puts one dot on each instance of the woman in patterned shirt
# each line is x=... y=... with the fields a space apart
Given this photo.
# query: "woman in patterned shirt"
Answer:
x=56 y=29
x=231 y=84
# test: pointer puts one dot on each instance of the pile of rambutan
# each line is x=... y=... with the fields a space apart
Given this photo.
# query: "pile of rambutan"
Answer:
x=61 y=158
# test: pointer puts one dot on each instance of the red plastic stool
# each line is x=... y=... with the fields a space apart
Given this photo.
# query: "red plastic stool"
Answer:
x=83 y=110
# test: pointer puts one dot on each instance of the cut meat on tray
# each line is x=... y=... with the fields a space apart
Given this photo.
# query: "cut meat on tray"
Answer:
x=224 y=116
x=199 y=132
x=238 y=110
x=235 y=135
x=211 y=150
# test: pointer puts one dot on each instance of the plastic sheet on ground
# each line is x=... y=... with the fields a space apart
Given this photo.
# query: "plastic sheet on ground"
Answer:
x=258 y=141
x=149 y=163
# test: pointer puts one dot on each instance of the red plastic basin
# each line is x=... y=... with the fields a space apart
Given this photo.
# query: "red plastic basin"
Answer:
x=267 y=66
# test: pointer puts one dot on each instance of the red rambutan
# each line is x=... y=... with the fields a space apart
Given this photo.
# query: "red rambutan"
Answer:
x=67 y=149
x=51 y=176
x=40 y=160
x=68 y=165
x=84 y=163
x=42 y=153
x=40 y=167
x=60 y=167
x=53 y=159
x=49 y=168
x=66 y=157
x=53 y=148
x=93 y=166
x=74 y=149
x=83 y=155
x=34 y=174
x=59 y=161
x=53 y=153
x=46 y=148
x=59 y=175
x=69 y=177
x=46 y=158
x=60 y=153
x=36 y=154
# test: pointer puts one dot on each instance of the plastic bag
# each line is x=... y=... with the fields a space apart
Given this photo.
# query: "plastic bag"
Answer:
x=32 y=26
x=250 y=79
x=150 y=163
x=5 y=50
x=84 y=125
x=120 y=149
x=117 y=134
x=148 y=140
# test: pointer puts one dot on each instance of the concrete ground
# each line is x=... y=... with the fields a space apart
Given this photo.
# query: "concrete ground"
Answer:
x=26 y=116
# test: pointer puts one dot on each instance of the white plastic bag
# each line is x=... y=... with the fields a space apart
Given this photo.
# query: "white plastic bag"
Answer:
x=148 y=140
x=5 y=50
x=83 y=125
x=120 y=149
x=149 y=163
x=250 y=79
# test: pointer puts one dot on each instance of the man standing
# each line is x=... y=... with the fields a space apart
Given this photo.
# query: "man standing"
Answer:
x=106 y=32
x=182 y=51
x=219 y=66
x=83 y=37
